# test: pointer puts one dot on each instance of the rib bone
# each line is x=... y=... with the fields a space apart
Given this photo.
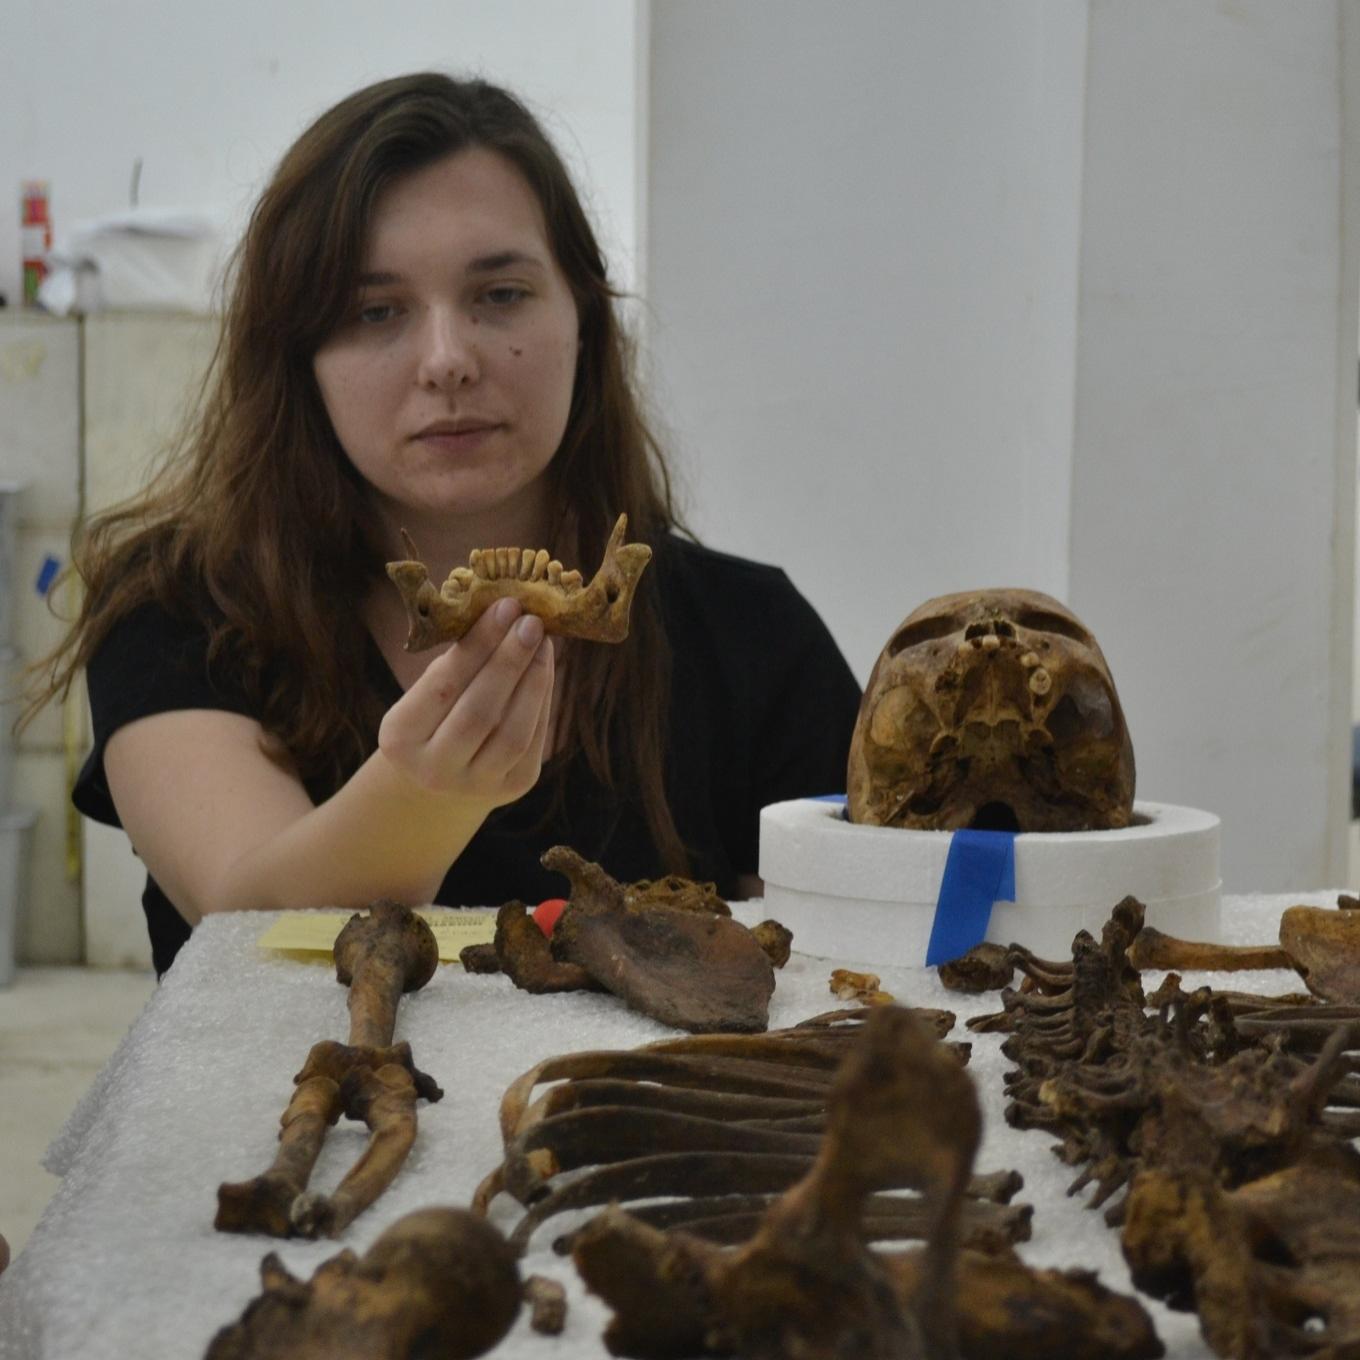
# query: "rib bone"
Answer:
x=597 y=612
x=807 y=1284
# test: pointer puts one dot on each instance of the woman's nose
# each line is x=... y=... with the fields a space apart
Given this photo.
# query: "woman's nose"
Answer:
x=448 y=354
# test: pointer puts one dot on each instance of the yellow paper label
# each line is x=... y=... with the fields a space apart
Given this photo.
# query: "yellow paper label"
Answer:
x=314 y=932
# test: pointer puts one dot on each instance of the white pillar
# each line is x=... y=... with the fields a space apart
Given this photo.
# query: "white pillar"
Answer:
x=1212 y=513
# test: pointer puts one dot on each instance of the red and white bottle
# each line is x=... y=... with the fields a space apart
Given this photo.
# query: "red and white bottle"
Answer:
x=35 y=227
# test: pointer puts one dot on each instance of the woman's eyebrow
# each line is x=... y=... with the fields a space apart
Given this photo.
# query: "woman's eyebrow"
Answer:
x=483 y=264
x=487 y=264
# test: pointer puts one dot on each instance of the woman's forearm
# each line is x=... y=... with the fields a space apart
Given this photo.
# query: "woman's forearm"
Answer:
x=380 y=835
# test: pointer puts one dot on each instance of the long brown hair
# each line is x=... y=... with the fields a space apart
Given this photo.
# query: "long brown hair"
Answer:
x=264 y=511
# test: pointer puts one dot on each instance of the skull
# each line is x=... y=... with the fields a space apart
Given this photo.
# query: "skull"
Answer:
x=439 y=1281
x=991 y=709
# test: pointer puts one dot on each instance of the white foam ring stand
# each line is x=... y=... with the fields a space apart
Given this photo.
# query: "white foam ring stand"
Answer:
x=866 y=894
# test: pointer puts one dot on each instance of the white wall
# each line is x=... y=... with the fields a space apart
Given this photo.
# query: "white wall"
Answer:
x=860 y=240
x=1062 y=293
x=210 y=95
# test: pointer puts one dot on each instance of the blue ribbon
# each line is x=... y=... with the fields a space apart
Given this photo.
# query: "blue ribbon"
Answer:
x=980 y=870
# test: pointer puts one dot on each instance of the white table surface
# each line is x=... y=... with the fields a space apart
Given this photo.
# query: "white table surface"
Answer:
x=125 y=1262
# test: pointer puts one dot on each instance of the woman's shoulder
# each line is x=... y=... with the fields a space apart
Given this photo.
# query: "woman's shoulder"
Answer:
x=734 y=609
x=710 y=564
x=154 y=657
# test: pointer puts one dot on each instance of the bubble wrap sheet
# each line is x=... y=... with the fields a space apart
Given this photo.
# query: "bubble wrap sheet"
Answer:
x=125 y=1261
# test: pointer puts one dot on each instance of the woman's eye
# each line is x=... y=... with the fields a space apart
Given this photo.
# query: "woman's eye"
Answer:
x=505 y=295
x=375 y=313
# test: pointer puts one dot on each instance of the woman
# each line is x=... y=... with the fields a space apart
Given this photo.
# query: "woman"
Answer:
x=421 y=336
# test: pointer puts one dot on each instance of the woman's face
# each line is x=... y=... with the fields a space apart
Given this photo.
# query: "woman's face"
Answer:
x=449 y=384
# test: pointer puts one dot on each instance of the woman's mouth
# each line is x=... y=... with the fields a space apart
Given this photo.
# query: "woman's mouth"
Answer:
x=457 y=437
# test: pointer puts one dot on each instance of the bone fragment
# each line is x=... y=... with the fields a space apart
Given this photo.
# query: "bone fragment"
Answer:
x=1152 y=951
x=985 y=967
x=776 y=940
x=852 y=986
x=597 y=612
x=526 y=958
x=1007 y=1308
x=547 y=1302
x=479 y=958
x=439 y=1281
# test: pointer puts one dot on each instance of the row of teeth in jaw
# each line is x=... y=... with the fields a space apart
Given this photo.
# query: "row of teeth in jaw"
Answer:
x=1040 y=682
x=513 y=564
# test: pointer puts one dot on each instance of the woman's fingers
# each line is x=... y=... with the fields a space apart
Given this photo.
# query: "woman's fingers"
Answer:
x=476 y=721
x=523 y=774
x=519 y=734
x=488 y=696
x=429 y=701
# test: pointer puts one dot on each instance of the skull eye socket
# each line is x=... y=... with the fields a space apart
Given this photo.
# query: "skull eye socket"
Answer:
x=1044 y=621
x=1083 y=712
x=924 y=630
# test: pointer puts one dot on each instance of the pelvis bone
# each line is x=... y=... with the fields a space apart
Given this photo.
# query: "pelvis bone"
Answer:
x=992 y=709
x=597 y=612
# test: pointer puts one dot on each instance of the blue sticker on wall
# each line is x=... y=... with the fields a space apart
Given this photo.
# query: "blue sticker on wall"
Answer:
x=47 y=573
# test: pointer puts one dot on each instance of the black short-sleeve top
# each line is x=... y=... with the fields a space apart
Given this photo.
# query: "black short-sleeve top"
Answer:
x=761 y=710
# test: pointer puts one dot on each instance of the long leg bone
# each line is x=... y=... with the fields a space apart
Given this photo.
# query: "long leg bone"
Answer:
x=379 y=956
x=597 y=612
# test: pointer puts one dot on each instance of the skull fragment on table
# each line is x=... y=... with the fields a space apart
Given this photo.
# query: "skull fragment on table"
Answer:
x=438 y=1282
x=992 y=709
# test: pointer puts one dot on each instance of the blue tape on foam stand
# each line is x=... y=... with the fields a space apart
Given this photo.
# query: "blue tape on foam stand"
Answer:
x=980 y=870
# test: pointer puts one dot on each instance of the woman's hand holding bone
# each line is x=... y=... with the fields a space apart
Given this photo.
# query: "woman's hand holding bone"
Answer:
x=475 y=725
